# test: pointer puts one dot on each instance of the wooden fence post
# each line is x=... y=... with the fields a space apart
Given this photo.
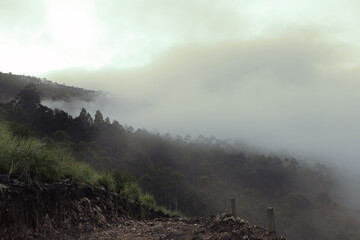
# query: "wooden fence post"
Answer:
x=271 y=219
x=233 y=207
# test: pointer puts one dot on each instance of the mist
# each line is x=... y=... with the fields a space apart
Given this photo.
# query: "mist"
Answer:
x=291 y=95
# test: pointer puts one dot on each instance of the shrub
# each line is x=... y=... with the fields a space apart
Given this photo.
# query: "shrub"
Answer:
x=169 y=212
x=82 y=172
x=120 y=180
x=148 y=200
x=107 y=181
x=132 y=191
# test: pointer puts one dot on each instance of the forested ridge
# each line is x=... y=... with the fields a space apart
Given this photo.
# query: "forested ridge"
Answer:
x=194 y=175
x=12 y=84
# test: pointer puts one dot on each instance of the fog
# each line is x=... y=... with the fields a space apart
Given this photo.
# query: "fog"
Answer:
x=281 y=76
x=291 y=94
x=288 y=93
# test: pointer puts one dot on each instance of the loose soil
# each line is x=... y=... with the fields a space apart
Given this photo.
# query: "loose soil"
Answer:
x=222 y=228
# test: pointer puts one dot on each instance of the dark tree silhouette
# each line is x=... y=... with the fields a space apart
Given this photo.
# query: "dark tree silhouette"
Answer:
x=28 y=98
x=99 y=119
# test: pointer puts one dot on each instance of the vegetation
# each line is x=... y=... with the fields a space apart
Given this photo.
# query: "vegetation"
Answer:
x=12 y=84
x=29 y=159
x=194 y=176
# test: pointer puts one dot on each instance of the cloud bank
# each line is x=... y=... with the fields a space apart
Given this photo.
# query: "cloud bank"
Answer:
x=291 y=93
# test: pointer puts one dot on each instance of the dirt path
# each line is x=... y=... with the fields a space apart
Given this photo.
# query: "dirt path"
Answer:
x=224 y=228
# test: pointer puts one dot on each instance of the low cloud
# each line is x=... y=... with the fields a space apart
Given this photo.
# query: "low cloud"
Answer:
x=290 y=93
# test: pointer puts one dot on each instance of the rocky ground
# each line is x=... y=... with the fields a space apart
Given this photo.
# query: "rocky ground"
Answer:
x=69 y=210
x=222 y=228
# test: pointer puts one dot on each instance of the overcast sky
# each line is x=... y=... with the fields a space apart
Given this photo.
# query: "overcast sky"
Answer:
x=281 y=75
x=37 y=36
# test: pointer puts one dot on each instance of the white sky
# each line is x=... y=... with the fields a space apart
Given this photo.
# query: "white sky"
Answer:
x=37 y=36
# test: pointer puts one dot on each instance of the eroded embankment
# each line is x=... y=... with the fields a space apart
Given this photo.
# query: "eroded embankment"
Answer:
x=69 y=210
x=60 y=209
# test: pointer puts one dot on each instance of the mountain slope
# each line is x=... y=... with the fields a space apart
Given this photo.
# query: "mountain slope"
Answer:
x=11 y=84
x=197 y=176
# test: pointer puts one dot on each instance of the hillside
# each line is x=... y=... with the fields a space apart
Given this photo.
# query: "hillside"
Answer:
x=12 y=84
x=59 y=197
x=196 y=176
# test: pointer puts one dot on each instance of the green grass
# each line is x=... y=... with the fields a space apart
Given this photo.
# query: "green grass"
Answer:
x=107 y=181
x=29 y=159
x=171 y=213
x=132 y=191
x=148 y=200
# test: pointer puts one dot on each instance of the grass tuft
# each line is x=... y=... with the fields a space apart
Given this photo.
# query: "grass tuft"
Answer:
x=107 y=181
x=132 y=191
x=148 y=200
x=171 y=213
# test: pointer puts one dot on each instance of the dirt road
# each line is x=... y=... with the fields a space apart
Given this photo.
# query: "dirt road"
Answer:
x=224 y=228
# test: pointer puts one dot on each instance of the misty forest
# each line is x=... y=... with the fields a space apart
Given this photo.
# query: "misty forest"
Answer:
x=190 y=175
